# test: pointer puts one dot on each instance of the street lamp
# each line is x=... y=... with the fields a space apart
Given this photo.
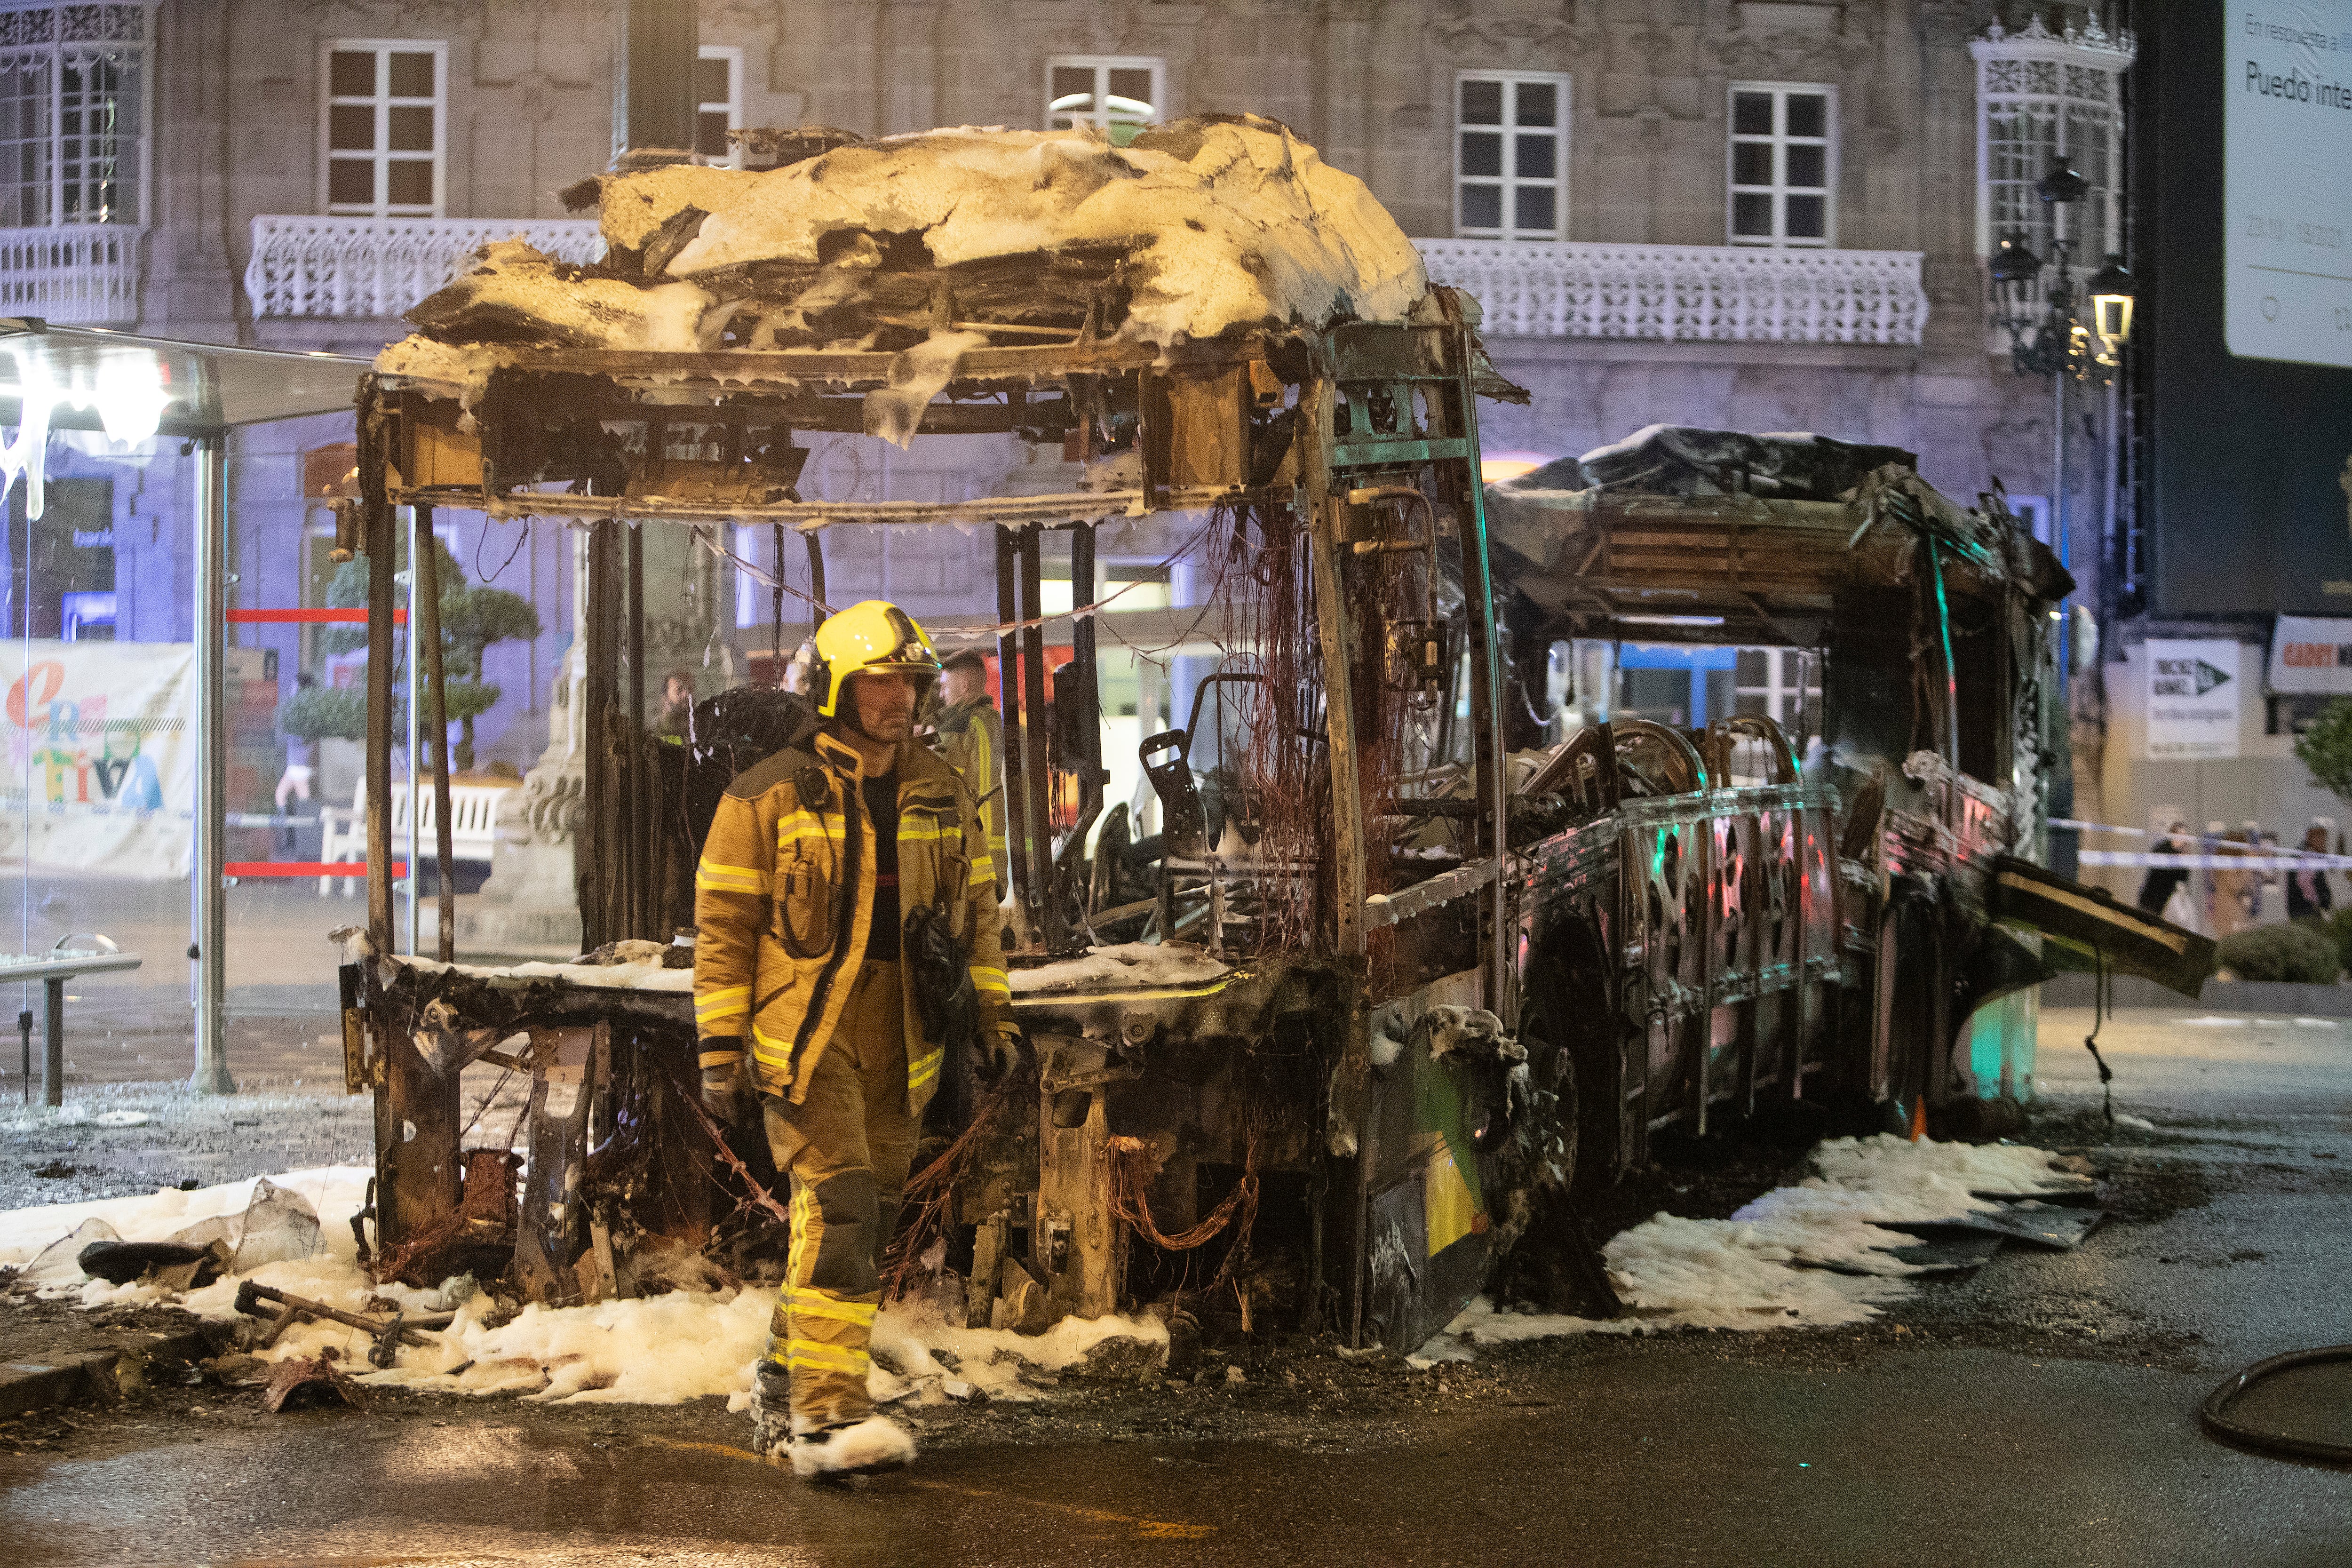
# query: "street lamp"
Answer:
x=2112 y=289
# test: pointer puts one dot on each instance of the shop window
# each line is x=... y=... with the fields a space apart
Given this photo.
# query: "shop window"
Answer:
x=70 y=550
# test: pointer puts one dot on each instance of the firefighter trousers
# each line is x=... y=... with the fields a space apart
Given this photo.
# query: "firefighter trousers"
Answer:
x=846 y=1147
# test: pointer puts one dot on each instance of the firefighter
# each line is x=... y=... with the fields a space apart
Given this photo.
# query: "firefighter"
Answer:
x=971 y=737
x=824 y=864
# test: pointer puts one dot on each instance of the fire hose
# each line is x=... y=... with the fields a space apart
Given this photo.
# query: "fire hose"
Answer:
x=2215 y=1415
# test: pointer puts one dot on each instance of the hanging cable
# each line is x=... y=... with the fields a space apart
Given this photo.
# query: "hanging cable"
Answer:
x=2102 y=1004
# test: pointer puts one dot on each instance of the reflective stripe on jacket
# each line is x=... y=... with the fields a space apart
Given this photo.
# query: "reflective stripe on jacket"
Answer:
x=785 y=891
x=972 y=738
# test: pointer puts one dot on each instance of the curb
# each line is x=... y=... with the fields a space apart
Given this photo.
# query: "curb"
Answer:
x=2220 y=996
x=99 y=1377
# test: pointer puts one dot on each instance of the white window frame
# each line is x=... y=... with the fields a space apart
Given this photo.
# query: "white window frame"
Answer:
x=1102 y=66
x=47 y=33
x=732 y=105
x=1508 y=182
x=1780 y=190
x=1791 y=684
x=439 y=49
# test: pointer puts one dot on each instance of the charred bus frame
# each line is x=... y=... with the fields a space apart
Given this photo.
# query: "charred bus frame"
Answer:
x=1411 y=1080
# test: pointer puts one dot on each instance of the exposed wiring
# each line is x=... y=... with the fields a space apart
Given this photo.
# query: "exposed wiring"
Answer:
x=522 y=539
x=2102 y=1002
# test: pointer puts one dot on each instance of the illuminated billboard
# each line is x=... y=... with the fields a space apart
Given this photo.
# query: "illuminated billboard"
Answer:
x=2240 y=396
x=2286 y=91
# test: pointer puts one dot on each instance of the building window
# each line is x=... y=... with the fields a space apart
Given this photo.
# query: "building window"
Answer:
x=73 y=114
x=1783 y=164
x=1782 y=684
x=1118 y=95
x=1511 y=156
x=719 y=107
x=385 y=127
x=2042 y=95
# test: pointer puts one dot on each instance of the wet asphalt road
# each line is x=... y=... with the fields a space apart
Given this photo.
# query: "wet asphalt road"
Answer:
x=2041 y=1413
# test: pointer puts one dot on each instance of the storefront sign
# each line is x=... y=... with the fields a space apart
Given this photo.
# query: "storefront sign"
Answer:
x=2311 y=656
x=98 y=763
x=2192 y=698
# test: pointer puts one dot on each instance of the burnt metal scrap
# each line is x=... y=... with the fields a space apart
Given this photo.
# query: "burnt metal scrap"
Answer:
x=389 y=1331
x=1397 y=985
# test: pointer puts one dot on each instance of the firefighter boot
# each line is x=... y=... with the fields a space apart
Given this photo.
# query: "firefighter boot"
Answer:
x=849 y=1448
x=771 y=1405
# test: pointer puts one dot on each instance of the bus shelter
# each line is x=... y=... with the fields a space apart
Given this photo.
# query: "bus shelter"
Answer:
x=89 y=794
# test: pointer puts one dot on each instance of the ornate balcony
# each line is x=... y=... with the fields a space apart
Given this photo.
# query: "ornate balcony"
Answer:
x=380 y=267
x=1686 y=293
x=322 y=267
x=74 y=274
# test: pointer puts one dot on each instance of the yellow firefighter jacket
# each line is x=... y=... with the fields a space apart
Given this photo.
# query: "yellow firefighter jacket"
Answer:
x=784 y=893
x=972 y=738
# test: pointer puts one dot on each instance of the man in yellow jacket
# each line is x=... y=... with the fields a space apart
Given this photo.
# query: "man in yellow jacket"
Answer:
x=815 y=863
x=972 y=738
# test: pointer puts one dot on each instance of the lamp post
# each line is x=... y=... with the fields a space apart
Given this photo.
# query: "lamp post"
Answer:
x=2047 y=339
x=2112 y=292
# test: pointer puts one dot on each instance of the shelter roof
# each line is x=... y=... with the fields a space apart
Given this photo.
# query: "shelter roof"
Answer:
x=85 y=376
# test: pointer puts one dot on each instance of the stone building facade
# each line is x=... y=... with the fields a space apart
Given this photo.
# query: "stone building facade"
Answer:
x=1769 y=214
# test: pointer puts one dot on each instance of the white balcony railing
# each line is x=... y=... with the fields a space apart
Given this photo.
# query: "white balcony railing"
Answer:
x=380 y=267
x=1699 y=293
x=74 y=274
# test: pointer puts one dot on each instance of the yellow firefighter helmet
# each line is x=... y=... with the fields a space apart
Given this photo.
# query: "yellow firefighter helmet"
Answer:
x=877 y=636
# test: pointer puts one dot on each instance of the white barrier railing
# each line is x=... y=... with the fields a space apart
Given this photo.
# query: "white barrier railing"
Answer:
x=1701 y=293
x=380 y=267
x=74 y=274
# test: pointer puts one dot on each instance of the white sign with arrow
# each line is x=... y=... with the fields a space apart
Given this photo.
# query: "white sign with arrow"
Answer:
x=2193 y=688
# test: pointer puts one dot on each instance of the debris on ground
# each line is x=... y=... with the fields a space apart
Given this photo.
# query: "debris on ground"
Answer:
x=1822 y=1252
x=305 y=1278
x=173 y=1265
x=310 y=1380
x=1818 y=1251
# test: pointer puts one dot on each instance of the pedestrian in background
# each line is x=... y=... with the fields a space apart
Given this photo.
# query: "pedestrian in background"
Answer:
x=677 y=720
x=2155 y=889
x=2307 y=893
x=2262 y=843
x=2232 y=891
x=301 y=767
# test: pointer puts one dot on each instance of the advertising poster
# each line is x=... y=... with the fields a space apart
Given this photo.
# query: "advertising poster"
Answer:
x=98 y=776
x=2193 y=695
x=2312 y=657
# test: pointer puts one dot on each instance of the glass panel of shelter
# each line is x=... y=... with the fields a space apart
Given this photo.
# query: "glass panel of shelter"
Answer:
x=98 y=778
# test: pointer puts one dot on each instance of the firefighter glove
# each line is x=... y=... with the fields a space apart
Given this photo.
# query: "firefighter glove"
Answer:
x=725 y=1087
x=999 y=1052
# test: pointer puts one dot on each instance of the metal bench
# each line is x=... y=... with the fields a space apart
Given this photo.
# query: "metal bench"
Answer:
x=61 y=965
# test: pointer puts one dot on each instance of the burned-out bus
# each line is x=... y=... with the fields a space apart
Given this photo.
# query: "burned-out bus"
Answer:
x=1378 y=968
